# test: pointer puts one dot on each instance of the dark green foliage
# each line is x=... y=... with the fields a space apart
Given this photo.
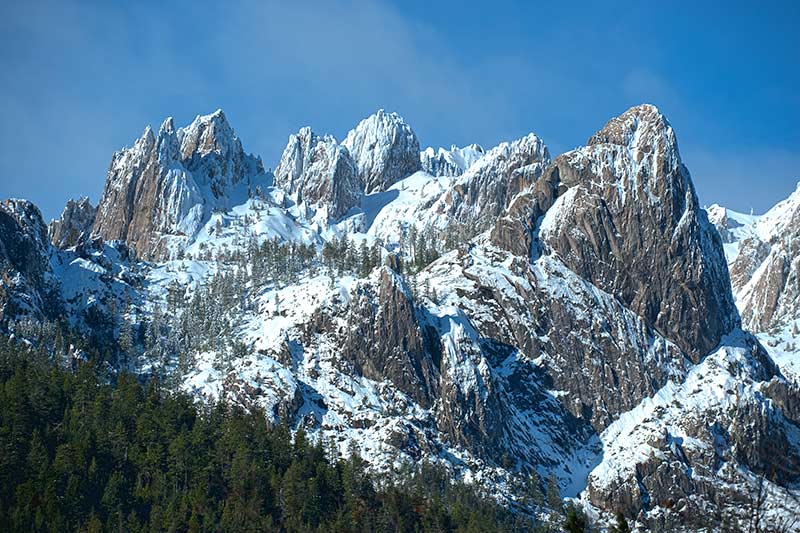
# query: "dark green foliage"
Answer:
x=553 y=494
x=574 y=520
x=621 y=526
x=77 y=453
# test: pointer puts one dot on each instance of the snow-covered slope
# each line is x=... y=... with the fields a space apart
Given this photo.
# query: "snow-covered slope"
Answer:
x=452 y=162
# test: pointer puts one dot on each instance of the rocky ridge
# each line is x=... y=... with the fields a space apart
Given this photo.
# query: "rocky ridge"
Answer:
x=159 y=192
x=590 y=334
x=320 y=172
x=74 y=225
x=385 y=150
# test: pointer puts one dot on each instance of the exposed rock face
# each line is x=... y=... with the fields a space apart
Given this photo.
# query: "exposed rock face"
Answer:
x=451 y=162
x=320 y=172
x=618 y=200
x=385 y=150
x=159 y=192
x=696 y=444
x=74 y=225
x=26 y=283
x=385 y=338
x=610 y=362
x=486 y=188
x=766 y=272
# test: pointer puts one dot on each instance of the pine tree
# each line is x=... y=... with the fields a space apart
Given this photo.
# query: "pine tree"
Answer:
x=125 y=336
x=574 y=520
x=621 y=525
x=553 y=494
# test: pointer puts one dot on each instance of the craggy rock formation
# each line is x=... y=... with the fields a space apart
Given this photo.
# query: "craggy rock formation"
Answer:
x=26 y=283
x=766 y=272
x=602 y=356
x=384 y=337
x=385 y=150
x=162 y=190
x=320 y=172
x=74 y=225
x=695 y=444
x=486 y=188
x=625 y=217
x=452 y=162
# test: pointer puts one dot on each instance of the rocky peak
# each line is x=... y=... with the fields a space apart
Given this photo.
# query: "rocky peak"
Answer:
x=24 y=262
x=385 y=150
x=206 y=134
x=622 y=213
x=452 y=162
x=766 y=272
x=637 y=128
x=484 y=191
x=74 y=225
x=320 y=172
x=159 y=192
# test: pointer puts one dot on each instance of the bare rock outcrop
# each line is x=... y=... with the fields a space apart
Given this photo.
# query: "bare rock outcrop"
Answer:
x=385 y=337
x=320 y=172
x=625 y=217
x=160 y=192
x=74 y=225
x=385 y=150
x=485 y=189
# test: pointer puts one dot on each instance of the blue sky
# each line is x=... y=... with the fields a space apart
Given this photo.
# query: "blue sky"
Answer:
x=81 y=80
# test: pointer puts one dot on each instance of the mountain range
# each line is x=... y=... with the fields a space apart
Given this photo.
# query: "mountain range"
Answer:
x=502 y=313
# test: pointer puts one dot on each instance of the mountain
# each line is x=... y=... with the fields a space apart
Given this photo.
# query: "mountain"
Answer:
x=320 y=172
x=764 y=261
x=385 y=150
x=159 y=192
x=74 y=225
x=509 y=317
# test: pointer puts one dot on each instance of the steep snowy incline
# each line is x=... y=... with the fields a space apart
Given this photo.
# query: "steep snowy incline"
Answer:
x=733 y=228
x=695 y=451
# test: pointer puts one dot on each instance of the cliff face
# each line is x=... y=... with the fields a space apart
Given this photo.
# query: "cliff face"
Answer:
x=159 y=192
x=485 y=189
x=74 y=225
x=319 y=172
x=622 y=213
x=27 y=287
x=385 y=150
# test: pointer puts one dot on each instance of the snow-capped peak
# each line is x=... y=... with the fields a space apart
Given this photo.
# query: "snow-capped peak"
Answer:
x=452 y=162
x=385 y=150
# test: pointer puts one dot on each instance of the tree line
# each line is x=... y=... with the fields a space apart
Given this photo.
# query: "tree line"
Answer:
x=82 y=454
